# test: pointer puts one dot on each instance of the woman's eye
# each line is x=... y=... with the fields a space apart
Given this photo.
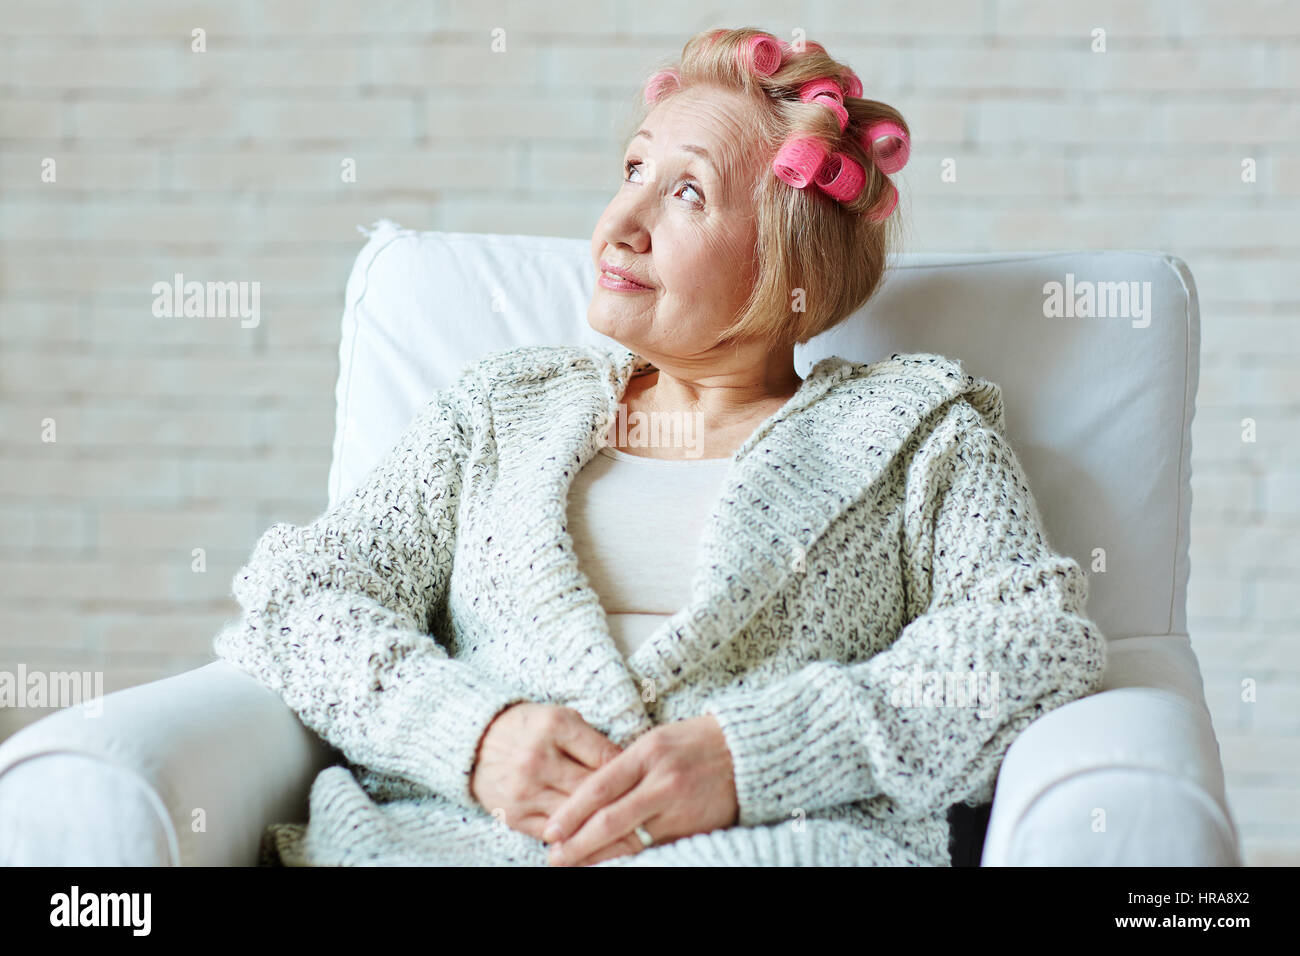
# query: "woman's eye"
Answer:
x=630 y=166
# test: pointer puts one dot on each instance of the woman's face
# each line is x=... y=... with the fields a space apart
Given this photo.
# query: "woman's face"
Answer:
x=682 y=223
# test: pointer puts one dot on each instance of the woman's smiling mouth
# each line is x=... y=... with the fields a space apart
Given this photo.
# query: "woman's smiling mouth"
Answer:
x=620 y=280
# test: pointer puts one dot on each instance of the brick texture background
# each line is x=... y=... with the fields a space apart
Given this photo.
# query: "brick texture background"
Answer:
x=179 y=434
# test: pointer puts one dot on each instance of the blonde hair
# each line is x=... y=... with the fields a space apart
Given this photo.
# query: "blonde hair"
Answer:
x=806 y=239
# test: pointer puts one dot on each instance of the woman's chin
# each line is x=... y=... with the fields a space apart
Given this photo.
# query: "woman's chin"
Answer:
x=601 y=321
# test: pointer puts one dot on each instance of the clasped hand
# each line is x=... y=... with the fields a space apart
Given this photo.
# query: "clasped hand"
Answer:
x=560 y=780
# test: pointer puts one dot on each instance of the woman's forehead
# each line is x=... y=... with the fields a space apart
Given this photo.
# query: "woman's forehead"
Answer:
x=713 y=124
x=714 y=114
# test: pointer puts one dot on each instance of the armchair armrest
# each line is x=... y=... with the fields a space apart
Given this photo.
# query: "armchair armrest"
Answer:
x=126 y=786
x=1130 y=776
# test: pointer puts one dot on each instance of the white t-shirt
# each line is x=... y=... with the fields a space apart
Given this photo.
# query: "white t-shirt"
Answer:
x=636 y=524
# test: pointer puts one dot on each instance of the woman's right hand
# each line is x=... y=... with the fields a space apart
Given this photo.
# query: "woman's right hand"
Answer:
x=531 y=757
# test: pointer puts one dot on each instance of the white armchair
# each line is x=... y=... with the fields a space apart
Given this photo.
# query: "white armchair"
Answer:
x=188 y=770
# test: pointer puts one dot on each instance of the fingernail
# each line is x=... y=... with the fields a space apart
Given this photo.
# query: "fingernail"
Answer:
x=551 y=833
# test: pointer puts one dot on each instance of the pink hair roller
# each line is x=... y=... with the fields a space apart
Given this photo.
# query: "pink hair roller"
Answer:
x=798 y=160
x=890 y=206
x=852 y=85
x=760 y=54
x=820 y=87
x=827 y=93
x=894 y=154
x=836 y=107
x=662 y=82
x=841 y=177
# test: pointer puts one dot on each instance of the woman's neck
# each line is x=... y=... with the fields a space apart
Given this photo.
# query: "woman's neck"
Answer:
x=722 y=390
x=723 y=405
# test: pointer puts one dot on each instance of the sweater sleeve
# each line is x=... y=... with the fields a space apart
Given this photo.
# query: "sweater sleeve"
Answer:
x=994 y=612
x=336 y=616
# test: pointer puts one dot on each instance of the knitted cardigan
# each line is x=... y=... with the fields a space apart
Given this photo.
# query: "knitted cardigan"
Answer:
x=875 y=549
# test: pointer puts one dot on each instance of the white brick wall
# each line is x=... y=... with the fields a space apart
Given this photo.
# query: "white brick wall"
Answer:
x=175 y=434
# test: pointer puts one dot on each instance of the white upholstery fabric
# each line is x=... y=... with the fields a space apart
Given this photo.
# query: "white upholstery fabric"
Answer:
x=123 y=788
x=1098 y=410
x=120 y=820
x=1143 y=751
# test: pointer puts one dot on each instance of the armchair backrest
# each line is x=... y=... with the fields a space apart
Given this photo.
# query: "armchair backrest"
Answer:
x=1097 y=355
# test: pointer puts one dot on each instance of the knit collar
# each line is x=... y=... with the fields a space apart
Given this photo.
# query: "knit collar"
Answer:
x=786 y=485
x=824 y=375
x=984 y=395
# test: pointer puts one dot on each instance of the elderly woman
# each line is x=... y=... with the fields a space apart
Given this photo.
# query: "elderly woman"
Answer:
x=537 y=638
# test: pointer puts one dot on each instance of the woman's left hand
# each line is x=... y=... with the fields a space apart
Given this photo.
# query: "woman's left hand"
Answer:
x=675 y=780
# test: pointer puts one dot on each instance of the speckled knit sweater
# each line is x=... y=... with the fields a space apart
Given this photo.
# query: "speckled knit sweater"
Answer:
x=875 y=540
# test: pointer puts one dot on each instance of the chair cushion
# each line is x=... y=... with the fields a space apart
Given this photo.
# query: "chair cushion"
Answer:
x=1098 y=408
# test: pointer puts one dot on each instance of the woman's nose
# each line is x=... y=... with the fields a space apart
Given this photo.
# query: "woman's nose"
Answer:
x=626 y=223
